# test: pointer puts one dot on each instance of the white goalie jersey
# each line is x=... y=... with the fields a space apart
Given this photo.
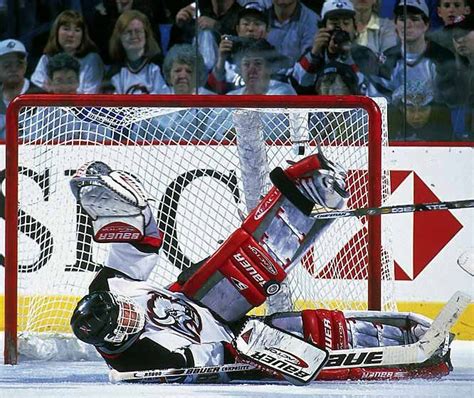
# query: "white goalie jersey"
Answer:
x=172 y=323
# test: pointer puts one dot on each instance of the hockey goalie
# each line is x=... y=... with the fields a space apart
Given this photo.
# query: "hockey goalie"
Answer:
x=201 y=321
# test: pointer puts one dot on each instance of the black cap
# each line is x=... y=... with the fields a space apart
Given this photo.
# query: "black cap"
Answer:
x=254 y=10
x=347 y=74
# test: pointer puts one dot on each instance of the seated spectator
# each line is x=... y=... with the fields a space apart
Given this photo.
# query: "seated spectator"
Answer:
x=63 y=74
x=335 y=42
x=13 y=64
x=257 y=61
x=387 y=11
x=252 y=25
x=106 y=15
x=450 y=11
x=374 y=32
x=462 y=34
x=425 y=119
x=136 y=56
x=292 y=28
x=337 y=79
x=424 y=60
x=183 y=68
x=69 y=34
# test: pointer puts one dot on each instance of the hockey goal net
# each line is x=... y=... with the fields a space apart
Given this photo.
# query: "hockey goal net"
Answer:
x=205 y=160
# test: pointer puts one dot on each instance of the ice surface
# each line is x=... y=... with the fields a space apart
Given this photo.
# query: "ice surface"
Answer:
x=35 y=379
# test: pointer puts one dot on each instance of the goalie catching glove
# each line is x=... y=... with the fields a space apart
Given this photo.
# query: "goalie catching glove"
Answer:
x=115 y=201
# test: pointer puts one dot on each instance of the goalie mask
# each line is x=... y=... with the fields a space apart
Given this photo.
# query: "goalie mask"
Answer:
x=104 y=318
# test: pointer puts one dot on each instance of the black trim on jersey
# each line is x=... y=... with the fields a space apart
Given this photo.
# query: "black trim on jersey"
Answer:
x=146 y=354
x=101 y=280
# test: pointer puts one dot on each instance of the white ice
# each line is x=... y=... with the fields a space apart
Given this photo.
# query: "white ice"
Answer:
x=36 y=379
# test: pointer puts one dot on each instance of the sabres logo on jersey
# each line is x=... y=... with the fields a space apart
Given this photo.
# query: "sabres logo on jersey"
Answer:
x=166 y=311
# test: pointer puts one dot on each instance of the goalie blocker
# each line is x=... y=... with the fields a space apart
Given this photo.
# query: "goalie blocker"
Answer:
x=251 y=264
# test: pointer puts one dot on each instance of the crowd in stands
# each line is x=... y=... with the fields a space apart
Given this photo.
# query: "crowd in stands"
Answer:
x=418 y=54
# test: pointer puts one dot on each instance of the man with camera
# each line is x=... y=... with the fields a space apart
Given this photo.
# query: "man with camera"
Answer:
x=335 y=43
x=252 y=25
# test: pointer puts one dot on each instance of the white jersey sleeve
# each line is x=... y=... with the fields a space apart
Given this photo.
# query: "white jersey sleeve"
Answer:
x=126 y=258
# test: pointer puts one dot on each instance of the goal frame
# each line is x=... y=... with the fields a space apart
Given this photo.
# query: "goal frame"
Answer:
x=328 y=102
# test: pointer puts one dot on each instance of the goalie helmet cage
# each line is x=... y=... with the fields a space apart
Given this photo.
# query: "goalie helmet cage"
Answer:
x=205 y=159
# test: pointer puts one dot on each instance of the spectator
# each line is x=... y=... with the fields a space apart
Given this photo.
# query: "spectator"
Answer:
x=292 y=28
x=337 y=79
x=63 y=74
x=13 y=64
x=372 y=31
x=30 y=21
x=462 y=34
x=387 y=8
x=335 y=42
x=69 y=34
x=106 y=15
x=136 y=56
x=426 y=120
x=214 y=18
x=257 y=60
x=185 y=71
x=424 y=59
x=450 y=11
x=217 y=15
x=252 y=25
x=46 y=123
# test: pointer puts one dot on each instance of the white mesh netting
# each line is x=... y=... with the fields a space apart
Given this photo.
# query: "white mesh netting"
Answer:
x=204 y=167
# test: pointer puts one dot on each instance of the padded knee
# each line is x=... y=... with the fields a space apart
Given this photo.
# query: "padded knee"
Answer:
x=327 y=328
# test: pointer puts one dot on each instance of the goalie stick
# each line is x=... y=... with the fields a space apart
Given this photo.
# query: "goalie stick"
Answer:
x=170 y=375
x=320 y=212
x=418 y=352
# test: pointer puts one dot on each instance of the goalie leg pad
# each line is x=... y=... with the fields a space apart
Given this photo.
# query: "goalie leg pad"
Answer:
x=279 y=351
x=237 y=278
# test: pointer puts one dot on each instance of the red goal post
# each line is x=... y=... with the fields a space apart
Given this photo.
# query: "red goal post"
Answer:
x=48 y=134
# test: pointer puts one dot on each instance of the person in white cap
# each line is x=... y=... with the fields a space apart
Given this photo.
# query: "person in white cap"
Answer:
x=335 y=42
x=425 y=60
x=13 y=63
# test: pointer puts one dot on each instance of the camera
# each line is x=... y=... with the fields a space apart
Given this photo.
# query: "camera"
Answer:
x=340 y=37
x=238 y=42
